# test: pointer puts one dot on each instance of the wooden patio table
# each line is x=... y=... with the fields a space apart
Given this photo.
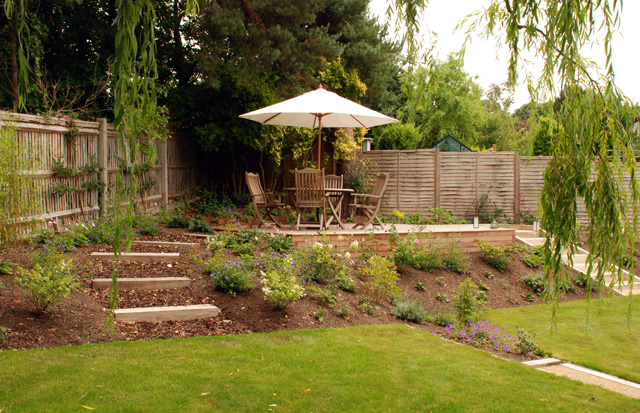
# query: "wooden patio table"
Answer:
x=329 y=193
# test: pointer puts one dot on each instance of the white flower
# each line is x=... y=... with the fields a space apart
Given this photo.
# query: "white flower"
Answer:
x=316 y=246
x=347 y=255
x=340 y=237
x=329 y=246
x=353 y=247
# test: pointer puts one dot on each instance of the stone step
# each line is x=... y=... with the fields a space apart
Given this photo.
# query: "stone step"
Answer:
x=167 y=243
x=159 y=283
x=578 y=259
x=140 y=256
x=534 y=241
x=174 y=313
x=543 y=362
x=198 y=235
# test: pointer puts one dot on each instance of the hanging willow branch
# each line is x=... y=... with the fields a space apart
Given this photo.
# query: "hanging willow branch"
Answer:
x=594 y=154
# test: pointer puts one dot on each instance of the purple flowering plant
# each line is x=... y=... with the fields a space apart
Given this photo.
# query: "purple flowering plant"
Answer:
x=481 y=333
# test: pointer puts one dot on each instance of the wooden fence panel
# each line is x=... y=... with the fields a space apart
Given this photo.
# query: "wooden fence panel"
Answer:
x=47 y=140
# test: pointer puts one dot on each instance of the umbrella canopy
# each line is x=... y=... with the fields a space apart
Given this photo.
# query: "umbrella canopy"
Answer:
x=317 y=109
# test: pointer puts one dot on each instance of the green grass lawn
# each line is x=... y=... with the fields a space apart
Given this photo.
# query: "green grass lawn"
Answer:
x=372 y=368
x=610 y=344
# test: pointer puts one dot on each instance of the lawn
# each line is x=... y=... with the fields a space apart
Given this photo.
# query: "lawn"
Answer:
x=372 y=368
x=609 y=344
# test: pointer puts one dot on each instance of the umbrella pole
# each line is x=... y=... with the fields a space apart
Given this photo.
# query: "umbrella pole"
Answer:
x=319 y=139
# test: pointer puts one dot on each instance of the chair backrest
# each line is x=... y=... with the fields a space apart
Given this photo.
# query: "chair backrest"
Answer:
x=380 y=185
x=255 y=188
x=333 y=181
x=309 y=187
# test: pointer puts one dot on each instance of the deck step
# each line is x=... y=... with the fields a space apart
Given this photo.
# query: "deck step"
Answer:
x=139 y=256
x=543 y=362
x=175 y=313
x=167 y=243
x=160 y=283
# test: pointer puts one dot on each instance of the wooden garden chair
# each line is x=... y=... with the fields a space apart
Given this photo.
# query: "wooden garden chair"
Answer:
x=310 y=194
x=334 y=181
x=263 y=202
x=369 y=204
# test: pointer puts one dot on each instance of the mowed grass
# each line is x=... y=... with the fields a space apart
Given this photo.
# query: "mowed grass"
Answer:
x=372 y=368
x=609 y=344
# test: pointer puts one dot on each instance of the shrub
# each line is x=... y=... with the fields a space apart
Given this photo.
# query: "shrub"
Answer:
x=440 y=280
x=365 y=304
x=5 y=267
x=320 y=262
x=534 y=283
x=528 y=296
x=345 y=283
x=497 y=257
x=524 y=342
x=319 y=315
x=178 y=222
x=279 y=243
x=149 y=224
x=281 y=289
x=421 y=286
x=466 y=302
x=532 y=260
x=345 y=311
x=455 y=259
x=442 y=298
x=325 y=296
x=564 y=285
x=444 y=319
x=483 y=333
x=409 y=309
x=488 y=274
x=585 y=282
x=245 y=249
x=231 y=277
x=198 y=225
x=49 y=281
x=381 y=279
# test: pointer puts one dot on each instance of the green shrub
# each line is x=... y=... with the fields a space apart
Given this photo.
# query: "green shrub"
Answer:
x=440 y=280
x=281 y=289
x=381 y=279
x=319 y=315
x=585 y=282
x=488 y=274
x=322 y=264
x=49 y=280
x=246 y=249
x=454 y=259
x=497 y=257
x=324 y=295
x=198 y=225
x=534 y=283
x=442 y=298
x=483 y=286
x=444 y=319
x=230 y=277
x=466 y=302
x=345 y=283
x=365 y=304
x=178 y=222
x=524 y=342
x=532 y=260
x=149 y=223
x=345 y=311
x=528 y=296
x=279 y=243
x=409 y=309
x=421 y=286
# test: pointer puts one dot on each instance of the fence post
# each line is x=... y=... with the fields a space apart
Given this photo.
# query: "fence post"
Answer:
x=516 y=185
x=102 y=161
x=436 y=198
x=164 y=175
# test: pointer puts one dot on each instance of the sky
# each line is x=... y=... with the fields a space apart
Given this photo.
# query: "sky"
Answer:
x=482 y=59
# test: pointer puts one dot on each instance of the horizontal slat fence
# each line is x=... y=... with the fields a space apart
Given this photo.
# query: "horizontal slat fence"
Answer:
x=426 y=178
x=46 y=140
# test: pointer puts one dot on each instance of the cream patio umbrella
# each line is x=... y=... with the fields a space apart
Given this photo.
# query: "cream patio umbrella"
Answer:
x=317 y=109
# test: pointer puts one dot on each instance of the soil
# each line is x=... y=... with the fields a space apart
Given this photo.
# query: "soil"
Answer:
x=81 y=318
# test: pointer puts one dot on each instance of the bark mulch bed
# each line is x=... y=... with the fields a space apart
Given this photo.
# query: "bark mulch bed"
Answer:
x=81 y=318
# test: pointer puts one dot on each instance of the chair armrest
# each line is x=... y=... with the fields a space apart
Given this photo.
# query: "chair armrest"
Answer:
x=366 y=195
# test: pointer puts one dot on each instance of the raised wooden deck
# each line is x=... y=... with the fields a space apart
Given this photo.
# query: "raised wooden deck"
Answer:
x=377 y=240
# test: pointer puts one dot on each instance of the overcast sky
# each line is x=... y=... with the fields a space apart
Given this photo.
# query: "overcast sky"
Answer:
x=490 y=65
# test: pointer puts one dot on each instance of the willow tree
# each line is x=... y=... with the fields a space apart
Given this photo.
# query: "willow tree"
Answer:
x=590 y=161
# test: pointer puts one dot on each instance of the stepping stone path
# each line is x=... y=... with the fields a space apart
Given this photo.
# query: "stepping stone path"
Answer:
x=580 y=264
x=154 y=314
x=585 y=375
